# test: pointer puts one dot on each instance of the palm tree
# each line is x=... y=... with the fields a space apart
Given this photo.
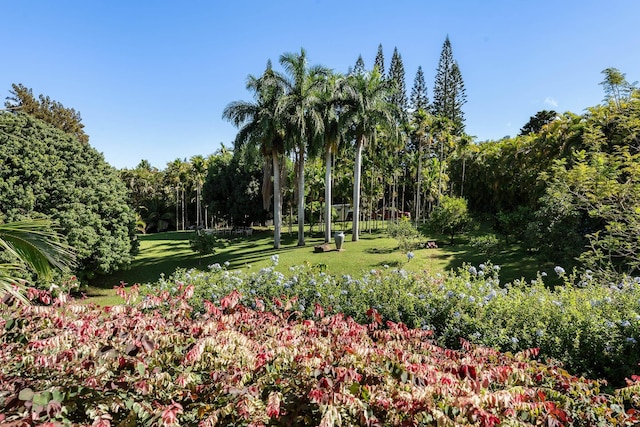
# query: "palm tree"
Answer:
x=260 y=124
x=177 y=175
x=420 y=132
x=198 y=174
x=367 y=108
x=330 y=99
x=300 y=108
x=35 y=244
x=442 y=130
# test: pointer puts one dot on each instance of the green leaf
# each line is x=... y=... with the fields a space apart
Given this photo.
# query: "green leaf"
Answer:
x=26 y=394
x=141 y=368
x=42 y=398
x=58 y=395
x=355 y=389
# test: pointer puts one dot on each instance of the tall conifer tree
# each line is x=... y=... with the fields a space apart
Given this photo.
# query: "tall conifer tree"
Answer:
x=448 y=90
x=419 y=99
x=359 y=68
x=397 y=82
x=379 y=62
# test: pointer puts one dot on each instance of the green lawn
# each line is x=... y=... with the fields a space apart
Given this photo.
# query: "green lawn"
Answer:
x=164 y=252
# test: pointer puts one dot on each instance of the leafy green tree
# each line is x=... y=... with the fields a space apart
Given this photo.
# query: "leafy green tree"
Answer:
x=66 y=119
x=616 y=87
x=261 y=124
x=33 y=244
x=449 y=94
x=450 y=216
x=144 y=183
x=233 y=187
x=419 y=99
x=553 y=229
x=537 y=122
x=46 y=172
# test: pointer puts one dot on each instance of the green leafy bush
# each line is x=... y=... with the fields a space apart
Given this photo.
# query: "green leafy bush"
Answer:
x=592 y=329
x=404 y=232
x=203 y=242
x=450 y=216
x=486 y=245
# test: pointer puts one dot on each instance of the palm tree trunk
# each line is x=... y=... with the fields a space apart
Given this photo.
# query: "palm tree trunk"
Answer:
x=301 y=198
x=277 y=202
x=356 y=190
x=183 y=209
x=177 y=207
x=198 y=207
x=327 y=197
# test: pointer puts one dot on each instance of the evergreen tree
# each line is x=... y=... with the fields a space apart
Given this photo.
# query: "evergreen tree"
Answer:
x=46 y=173
x=359 y=68
x=537 y=122
x=379 y=62
x=448 y=90
x=397 y=82
x=419 y=99
x=66 y=119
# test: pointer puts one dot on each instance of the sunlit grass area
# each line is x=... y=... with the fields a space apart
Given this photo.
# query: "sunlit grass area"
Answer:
x=162 y=253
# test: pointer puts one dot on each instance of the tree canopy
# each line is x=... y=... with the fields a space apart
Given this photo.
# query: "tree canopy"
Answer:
x=45 y=172
x=53 y=112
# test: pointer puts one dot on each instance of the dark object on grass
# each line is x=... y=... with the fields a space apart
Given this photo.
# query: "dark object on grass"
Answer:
x=325 y=247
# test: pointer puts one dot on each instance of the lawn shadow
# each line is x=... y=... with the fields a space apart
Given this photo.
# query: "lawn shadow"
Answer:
x=380 y=250
x=383 y=264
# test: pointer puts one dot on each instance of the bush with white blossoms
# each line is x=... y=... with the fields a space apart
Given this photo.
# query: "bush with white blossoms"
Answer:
x=592 y=329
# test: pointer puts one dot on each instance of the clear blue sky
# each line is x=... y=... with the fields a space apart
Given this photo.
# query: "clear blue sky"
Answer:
x=151 y=78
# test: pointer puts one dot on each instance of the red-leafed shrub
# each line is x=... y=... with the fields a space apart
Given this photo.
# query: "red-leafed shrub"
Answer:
x=232 y=365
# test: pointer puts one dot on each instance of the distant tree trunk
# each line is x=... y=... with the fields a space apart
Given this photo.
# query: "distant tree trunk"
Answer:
x=177 y=207
x=183 y=209
x=327 y=197
x=277 y=202
x=301 y=197
x=355 y=232
x=198 y=207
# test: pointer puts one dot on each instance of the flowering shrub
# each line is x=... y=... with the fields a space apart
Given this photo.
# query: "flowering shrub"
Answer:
x=592 y=329
x=233 y=365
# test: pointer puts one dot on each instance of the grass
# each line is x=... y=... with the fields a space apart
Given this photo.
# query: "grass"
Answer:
x=163 y=253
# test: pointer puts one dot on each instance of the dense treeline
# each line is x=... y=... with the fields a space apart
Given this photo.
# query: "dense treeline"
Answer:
x=571 y=189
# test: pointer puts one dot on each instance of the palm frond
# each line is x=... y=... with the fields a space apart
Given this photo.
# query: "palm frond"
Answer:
x=35 y=243
x=10 y=283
